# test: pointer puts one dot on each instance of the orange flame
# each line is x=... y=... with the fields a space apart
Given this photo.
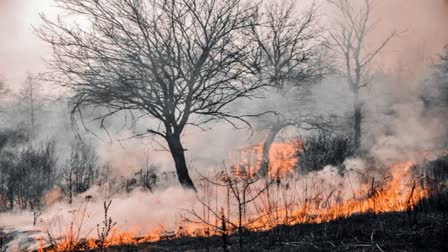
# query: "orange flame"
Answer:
x=282 y=159
x=398 y=191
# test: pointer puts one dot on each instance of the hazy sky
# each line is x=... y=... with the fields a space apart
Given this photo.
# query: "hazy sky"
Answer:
x=20 y=50
x=425 y=23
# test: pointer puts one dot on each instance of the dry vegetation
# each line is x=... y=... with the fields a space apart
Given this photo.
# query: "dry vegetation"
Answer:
x=165 y=66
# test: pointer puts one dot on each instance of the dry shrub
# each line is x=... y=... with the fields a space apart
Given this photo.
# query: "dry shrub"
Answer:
x=323 y=149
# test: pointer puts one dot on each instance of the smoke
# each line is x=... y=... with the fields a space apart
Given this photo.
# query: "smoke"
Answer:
x=422 y=31
x=138 y=213
x=21 y=51
x=398 y=125
x=423 y=34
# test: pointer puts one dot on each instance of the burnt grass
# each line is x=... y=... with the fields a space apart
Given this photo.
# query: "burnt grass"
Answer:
x=416 y=230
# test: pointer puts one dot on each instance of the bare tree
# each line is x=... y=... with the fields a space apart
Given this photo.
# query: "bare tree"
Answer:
x=440 y=76
x=348 y=40
x=80 y=172
x=287 y=59
x=178 y=62
x=29 y=94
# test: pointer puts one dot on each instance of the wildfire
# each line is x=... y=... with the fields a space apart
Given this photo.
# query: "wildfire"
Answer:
x=282 y=159
x=397 y=193
x=288 y=203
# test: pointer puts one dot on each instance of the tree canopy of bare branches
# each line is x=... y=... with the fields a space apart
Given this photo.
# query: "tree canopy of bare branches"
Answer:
x=288 y=57
x=443 y=71
x=287 y=45
x=348 y=40
x=178 y=62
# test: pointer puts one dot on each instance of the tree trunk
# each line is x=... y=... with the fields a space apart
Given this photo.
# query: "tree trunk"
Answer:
x=178 y=154
x=10 y=196
x=264 y=167
x=357 y=118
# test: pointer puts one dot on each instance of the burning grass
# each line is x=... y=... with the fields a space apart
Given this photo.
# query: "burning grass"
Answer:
x=238 y=201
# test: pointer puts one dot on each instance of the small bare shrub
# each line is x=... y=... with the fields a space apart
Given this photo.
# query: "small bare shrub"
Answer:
x=107 y=226
x=148 y=177
x=243 y=189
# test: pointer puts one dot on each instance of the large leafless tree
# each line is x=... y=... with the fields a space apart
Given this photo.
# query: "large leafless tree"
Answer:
x=178 y=62
x=349 y=34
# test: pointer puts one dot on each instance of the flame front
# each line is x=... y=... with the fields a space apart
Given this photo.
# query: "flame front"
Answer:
x=292 y=199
